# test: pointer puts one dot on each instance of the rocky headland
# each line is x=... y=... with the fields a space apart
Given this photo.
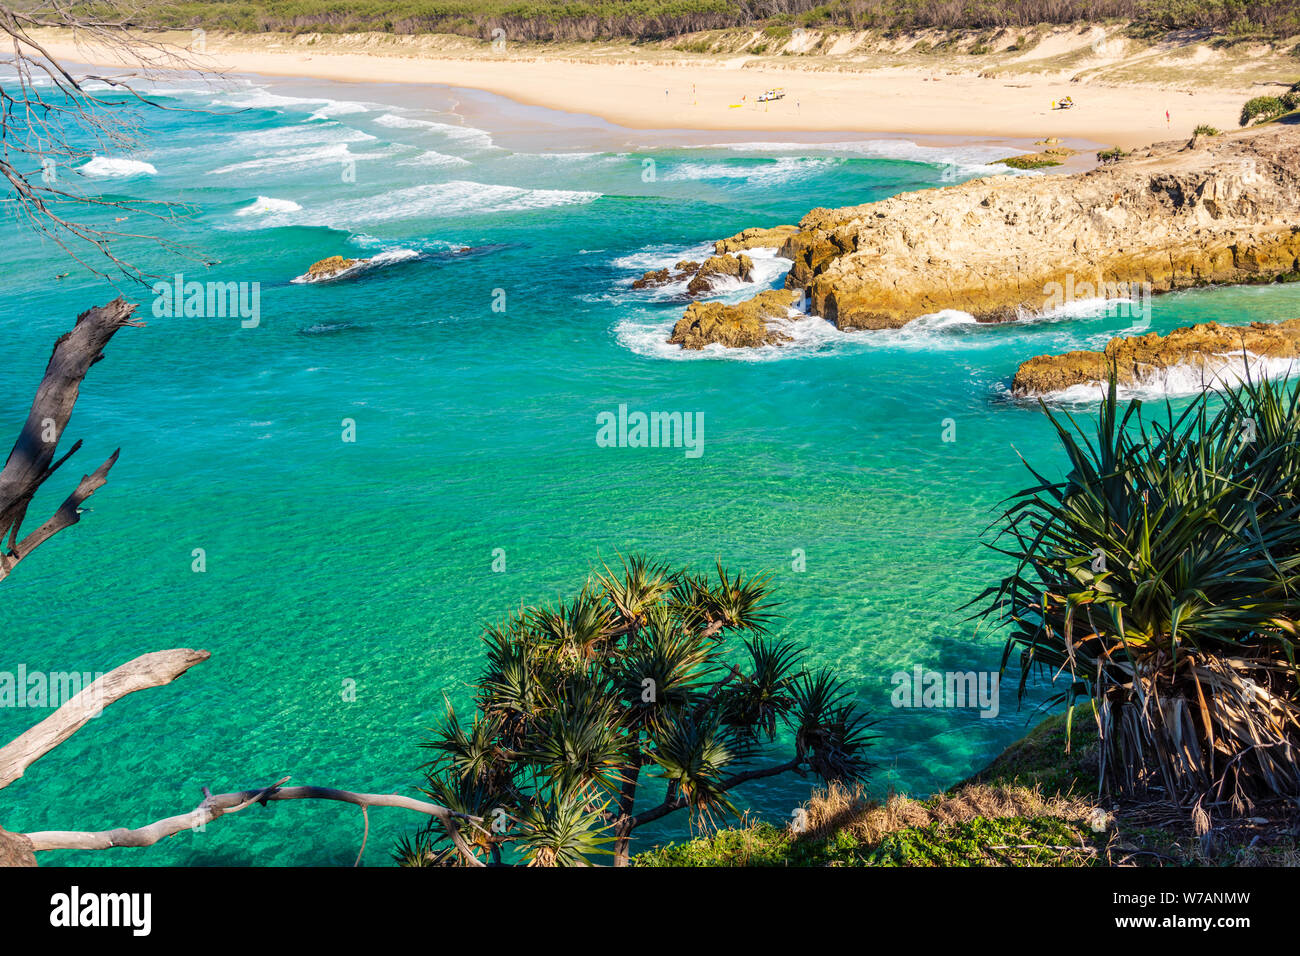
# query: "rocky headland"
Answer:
x=1216 y=210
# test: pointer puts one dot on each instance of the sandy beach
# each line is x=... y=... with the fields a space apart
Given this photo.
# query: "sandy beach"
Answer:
x=660 y=89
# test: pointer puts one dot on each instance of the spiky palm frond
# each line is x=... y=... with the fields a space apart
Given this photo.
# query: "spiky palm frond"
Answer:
x=469 y=796
x=476 y=753
x=422 y=849
x=1161 y=573
x=579 y=697
x=579 y=743
x=639 y=586
x=832 y=733
x=564 y=827
x=576 y=632
x=692 y=754
x=741 y=603
x=664 y=668
x=762 y=696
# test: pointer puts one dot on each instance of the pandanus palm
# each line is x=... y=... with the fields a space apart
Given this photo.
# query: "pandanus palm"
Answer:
x=1161 y=576
x=637 y=673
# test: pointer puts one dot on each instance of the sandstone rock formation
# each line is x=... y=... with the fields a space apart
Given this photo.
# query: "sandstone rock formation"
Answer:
x=700 y=277
x=1226 y=211
x=756 y=238
x=329 y=268
x=1137 y=358
x=716 y=268
x=657 y=277
x=743 y=325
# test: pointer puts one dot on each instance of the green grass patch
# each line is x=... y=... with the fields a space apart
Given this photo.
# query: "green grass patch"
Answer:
x=1032 y=161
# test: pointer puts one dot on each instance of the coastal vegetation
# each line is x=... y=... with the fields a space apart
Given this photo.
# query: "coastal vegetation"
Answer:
x=1157 y=581
x=650 y=679
x=552 y=20
x=1156 y=584
x=1263 y=109
x=1036 y=804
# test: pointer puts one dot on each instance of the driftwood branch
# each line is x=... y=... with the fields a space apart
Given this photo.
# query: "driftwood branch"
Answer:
x=32 y=461
x=218 y=805
x=147 y=670
x=154 y=670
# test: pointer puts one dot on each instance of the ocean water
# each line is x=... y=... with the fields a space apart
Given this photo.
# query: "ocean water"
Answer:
x=333 y=564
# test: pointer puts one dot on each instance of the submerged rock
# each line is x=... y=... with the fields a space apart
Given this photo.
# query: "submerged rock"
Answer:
x=742 y=325
x=1138 y=358
x=330 y=268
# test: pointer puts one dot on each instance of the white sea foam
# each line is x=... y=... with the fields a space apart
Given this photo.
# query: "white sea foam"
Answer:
x=431 y=157
x=809 y=335
x=299 y=159
x=266 y=205
x=261 y=98
x=967 y=160
x=660 y=256
x=339 y=108
x=302 y=134
x=466 y=134
x=1218 y=372
x=116 y=167
x=455 y=198
x=768 y=173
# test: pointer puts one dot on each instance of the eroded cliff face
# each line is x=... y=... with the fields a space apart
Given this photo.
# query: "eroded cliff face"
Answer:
x=1139 y=358
x=1218 y=210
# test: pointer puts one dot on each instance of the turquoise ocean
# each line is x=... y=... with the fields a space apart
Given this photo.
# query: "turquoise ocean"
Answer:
x=368 y=564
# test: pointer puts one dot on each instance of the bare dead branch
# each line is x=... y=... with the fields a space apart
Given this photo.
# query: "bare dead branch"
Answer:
x=31 y=461
x=52 y=118
x=147 y=670
x=218 y=805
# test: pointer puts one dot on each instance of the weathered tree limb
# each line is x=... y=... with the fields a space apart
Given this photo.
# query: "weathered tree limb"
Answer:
x=15 y=849
x=154 y=670
x=147 y=670
x=51 y=118
x=214 y=806
x=31 y=461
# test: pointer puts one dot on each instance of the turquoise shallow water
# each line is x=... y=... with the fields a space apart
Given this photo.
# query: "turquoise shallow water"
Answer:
x=371 y=561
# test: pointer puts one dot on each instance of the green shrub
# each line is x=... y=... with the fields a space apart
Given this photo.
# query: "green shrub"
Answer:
x=1261 y=109
x=1032 y=161
x=1206 y=130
